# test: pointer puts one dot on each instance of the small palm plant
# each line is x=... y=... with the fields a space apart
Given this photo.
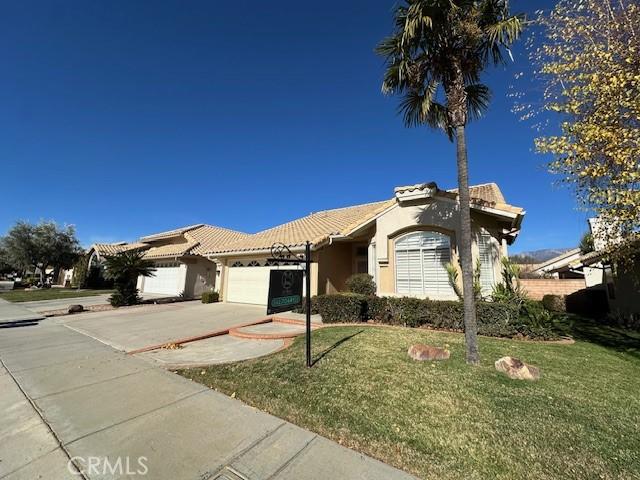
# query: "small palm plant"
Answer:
x=125 y=268
x=452 y=272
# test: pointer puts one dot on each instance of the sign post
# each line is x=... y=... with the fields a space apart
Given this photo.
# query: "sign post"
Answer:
x=285 y=287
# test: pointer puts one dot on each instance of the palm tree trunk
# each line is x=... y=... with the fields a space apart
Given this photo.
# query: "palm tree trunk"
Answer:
x=464 y=245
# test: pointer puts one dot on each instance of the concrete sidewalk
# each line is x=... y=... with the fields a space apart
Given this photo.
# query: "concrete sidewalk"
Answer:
x=102 y=403
x=11 y=313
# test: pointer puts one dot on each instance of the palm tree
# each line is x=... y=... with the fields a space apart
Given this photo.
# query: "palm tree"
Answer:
x=442 y=47
x=125 y=268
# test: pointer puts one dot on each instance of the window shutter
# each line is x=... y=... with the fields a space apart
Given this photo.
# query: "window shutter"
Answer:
x=421 y=260
x=485 y=248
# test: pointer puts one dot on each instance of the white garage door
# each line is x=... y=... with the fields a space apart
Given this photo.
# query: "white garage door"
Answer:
x=166 y=280
x=250 y=284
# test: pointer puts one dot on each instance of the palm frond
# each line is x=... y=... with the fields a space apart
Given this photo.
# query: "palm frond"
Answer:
x=505 y=31
x=420 y=107
x=478 y=99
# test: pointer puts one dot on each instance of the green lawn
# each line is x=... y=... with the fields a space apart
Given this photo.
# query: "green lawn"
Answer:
x=48 y=294
x=448 y=420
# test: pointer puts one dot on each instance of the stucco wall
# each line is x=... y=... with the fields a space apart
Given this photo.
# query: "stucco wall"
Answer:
x=335 y=265
x=200 y=276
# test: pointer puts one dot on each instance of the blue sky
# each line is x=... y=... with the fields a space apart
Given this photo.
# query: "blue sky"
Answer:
x=241 y=114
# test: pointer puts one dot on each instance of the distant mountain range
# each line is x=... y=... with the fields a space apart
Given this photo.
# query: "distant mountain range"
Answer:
x=541 y=255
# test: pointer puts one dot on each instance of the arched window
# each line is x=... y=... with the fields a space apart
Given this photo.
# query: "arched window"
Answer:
x=253 y=263
x=421 y=259
x=238 y=264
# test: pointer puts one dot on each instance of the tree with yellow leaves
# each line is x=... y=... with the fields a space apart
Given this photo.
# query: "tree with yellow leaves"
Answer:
x=589 y=62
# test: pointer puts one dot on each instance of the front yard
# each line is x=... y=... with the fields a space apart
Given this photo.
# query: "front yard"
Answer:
x=49 y=294
x=450 y=421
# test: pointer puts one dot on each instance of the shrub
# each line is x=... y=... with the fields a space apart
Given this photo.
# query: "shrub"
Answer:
x=378 y=309
x=124 y=269
x=554 y=303
x=536 y=321
x=494 y=318
x=303 y=307
x=342 y=307
x=125 y=296
x=210 y=297
x=510 y=290
x=361 y=283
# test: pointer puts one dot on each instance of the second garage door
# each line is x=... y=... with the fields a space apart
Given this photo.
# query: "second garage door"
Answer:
x=249 y=284
x=166 y=280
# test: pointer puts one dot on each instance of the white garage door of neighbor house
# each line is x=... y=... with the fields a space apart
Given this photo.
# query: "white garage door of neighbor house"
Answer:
x=250 y=284
x=164 y=282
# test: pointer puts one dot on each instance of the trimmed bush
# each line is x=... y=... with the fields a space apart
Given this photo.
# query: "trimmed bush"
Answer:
x=361 y=283
x=342 y=307
x=494 y=319
x=378 y=310
x=303 y=308
x=554 y=303
x=210 y=297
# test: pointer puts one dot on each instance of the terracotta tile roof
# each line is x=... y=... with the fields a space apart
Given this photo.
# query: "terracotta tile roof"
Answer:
x=199 y=239
x=109 y=249
x=316 y=227
x=211 y=239
x=170 y=250
x=490 y=195
x=488 y=192
x=169 y=233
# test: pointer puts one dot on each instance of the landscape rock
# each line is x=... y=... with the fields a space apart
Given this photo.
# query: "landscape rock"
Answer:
x=423 y=352
x=517 y=369
x=76 y=309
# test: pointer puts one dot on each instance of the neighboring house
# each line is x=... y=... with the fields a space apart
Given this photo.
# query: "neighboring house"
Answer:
x=180 y=258
x=404 y=243
x=568 y=265
x=182 y=261
x=100 y=251
x=622 y=286
x=560 y=266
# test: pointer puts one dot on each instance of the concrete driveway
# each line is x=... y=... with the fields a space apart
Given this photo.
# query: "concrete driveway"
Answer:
x=68 y=399
x=134 y=328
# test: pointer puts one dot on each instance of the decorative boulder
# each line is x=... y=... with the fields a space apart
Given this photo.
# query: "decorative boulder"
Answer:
x=76 y=309
x=517 y=369
x=426 y=352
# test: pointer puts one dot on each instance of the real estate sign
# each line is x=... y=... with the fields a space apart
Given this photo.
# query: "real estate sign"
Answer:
x=285 y=290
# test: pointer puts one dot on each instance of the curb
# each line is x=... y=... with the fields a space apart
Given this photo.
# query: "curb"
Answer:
x=180 y=341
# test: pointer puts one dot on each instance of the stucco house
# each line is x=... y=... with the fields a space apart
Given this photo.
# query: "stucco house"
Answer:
x=404 y=242
x=180 y=257
x=620 y=285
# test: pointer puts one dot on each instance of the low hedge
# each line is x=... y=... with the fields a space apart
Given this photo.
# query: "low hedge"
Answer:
x=210 y=297
x=341 y=308
x=494 y=319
